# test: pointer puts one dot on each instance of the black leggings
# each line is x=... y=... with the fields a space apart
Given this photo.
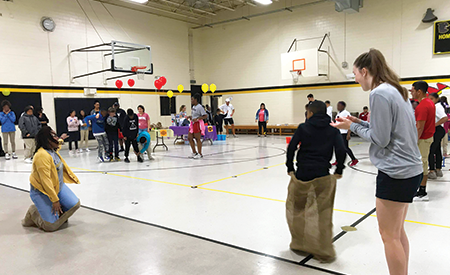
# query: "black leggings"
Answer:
x=76 y=145
x=130 y=141
x=347 y=149
x=262 y=125
x=435 y=156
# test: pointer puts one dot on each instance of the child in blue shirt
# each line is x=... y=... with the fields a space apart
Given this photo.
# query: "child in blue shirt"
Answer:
x=97 y=123
x=144 y=140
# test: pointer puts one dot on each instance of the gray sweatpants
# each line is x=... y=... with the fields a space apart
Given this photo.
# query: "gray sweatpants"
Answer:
x=103 y=145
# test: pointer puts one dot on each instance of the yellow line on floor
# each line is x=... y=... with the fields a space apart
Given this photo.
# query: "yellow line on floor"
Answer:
x=240 y=194
x=130 y=177
x=257 y=170
x=338 y=210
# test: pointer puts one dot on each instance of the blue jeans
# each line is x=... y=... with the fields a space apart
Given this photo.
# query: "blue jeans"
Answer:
x=67 y=199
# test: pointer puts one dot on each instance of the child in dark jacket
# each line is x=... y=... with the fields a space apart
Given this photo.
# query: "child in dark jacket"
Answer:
x=313 y=183
x=97 y=123
x=130 y=133
x=218 y=120
x=112 y=127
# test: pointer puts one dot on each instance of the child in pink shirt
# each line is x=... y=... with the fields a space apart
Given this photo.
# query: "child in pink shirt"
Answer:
x=144 y=120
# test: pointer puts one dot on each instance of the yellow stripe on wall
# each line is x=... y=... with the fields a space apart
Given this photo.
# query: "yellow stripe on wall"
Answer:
x=303 y=88
x=81 y=91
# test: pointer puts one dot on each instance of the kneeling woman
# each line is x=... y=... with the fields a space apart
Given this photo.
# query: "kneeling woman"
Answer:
x=53 y=201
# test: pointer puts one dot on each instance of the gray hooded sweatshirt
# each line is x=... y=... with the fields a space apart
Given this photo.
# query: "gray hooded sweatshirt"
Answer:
x=29 y=124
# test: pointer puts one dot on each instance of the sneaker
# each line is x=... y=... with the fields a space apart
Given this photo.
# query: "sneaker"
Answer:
x=71 y=152
x=29 y=161
x=423 y=197
x=100 y=159
x=439 y=173
x=140 y=159
x=150 y=157
x=117 y=159
x=87 y=150
x=432 y=175
x=334 y=163
x=198 y=156
x=14 y=156
x=107 y=159
x=235 y=136
x=127 y=160
x=80 y=150
x=193 y=155
x=7 y=156
x=354 y=162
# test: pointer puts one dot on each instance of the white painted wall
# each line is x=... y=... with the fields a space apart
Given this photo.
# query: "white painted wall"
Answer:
x=30 y=56
x=246 y=54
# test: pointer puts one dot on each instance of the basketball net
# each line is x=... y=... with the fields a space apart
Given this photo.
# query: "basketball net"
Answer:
x=140 y=72
x=295 y=75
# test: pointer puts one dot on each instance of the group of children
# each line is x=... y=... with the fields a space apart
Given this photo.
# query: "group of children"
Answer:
x=109 y=127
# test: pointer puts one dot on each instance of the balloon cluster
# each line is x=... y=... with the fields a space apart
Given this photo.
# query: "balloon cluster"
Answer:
x=119 y=83
x=212 y=87
x=160 y=82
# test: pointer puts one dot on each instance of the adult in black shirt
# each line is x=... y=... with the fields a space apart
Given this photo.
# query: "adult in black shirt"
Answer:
x=41 y=116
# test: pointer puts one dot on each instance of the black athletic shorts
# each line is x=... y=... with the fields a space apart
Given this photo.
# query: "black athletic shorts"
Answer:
x=229 y=121
x=399 y=190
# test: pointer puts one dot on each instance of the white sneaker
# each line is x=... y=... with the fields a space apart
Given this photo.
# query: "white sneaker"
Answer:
x=432 y=175
x=150 y=157
x=80 y=150
x=87 y=150
x=14 y=156
x=198 y=156
x=107 y=159
x=193 y=155
x=7 y=156
x=29 y=161
x=71 y=152
x=421 y=198
x=439 y=173
x=100 y=159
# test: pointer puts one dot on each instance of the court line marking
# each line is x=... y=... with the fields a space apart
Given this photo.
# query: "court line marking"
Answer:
x=130 y=177
x=257 y=170
x=198 y=237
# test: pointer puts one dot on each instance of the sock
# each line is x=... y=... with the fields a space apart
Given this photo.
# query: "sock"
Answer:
x=422 y=190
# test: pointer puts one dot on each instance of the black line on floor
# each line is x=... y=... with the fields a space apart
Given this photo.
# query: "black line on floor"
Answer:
x=342 y=233
x=197 y=237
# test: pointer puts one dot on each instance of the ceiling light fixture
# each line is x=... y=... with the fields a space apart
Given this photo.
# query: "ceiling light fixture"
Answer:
x=139 y=1
x=264 y=2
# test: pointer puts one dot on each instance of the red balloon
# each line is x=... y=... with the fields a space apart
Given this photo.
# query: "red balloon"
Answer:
x=163 y=80
x=131 y=82
x=119 y=84
x=158 y=84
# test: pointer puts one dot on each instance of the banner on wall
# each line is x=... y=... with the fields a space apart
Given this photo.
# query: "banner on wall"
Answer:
x=442 y=37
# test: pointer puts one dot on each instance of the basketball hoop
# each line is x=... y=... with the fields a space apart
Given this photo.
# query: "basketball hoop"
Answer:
x=140 y=71
x=295 y=75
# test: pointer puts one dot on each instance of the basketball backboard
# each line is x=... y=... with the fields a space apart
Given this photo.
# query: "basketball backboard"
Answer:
x=306 y=61
x=117 y=57
x=125 y=56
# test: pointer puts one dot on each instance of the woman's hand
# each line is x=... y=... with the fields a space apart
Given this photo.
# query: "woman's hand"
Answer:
x=64 y=136
x=56 y=208
x=195 y=120
x=124 y=138
x=342 y=123
x=354 y=119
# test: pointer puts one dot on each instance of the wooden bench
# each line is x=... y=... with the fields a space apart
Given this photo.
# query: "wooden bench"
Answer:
x=271 y=129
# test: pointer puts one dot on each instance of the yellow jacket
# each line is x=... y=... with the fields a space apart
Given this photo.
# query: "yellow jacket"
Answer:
x=44 y=176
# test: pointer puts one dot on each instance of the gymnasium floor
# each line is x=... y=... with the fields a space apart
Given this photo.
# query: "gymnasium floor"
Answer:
x=147 y=219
